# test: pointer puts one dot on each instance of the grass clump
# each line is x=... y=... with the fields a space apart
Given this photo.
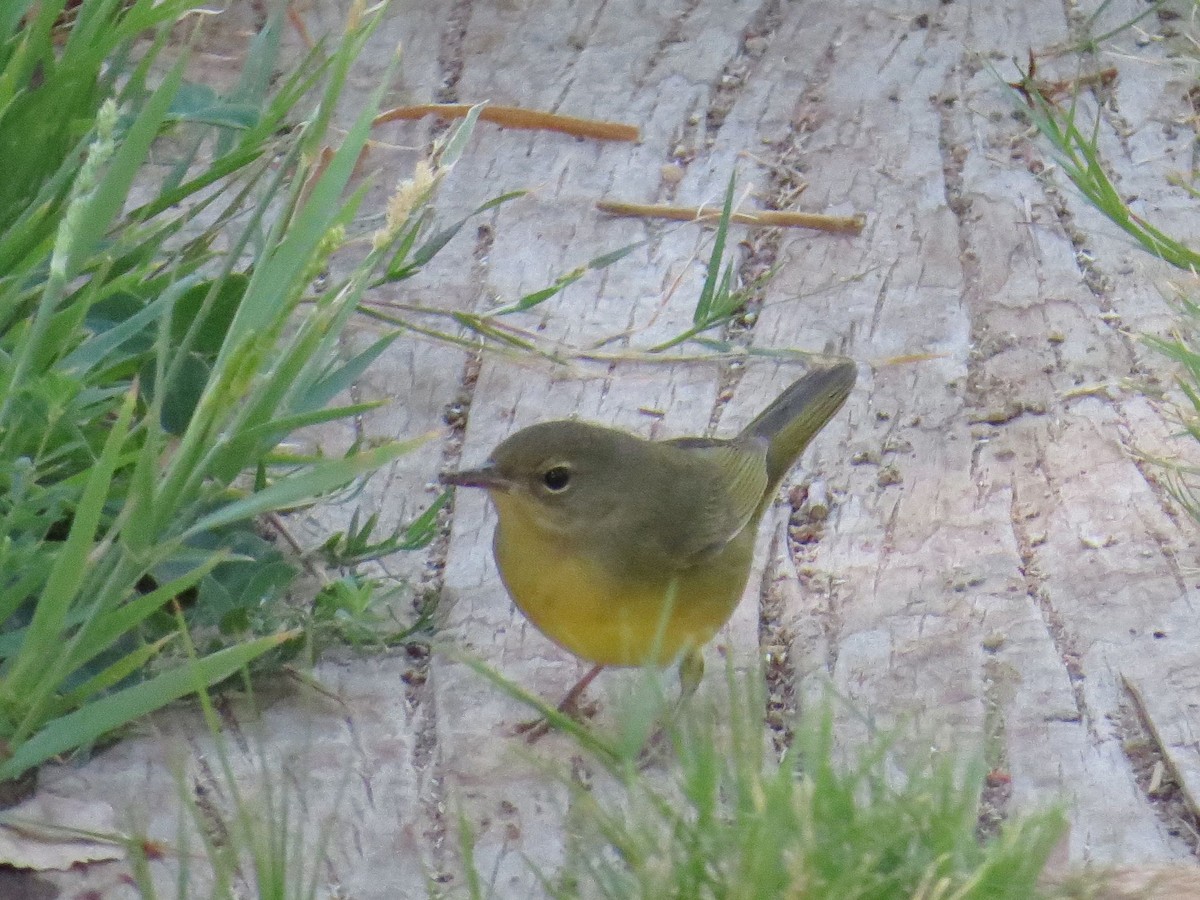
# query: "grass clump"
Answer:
x=257 y=835
x=703 y=809
x=174 y=287
x=1073 y=135
x=1076 y=149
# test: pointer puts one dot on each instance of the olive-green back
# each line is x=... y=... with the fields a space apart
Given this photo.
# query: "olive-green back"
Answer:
x=735 y=480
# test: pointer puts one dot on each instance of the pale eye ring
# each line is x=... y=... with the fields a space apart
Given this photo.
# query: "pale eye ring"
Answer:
x=557 y=478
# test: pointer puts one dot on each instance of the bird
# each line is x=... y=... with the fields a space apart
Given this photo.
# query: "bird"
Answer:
x=627 y=551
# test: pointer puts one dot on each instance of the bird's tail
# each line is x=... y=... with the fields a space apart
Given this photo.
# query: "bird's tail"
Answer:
x=798 y=414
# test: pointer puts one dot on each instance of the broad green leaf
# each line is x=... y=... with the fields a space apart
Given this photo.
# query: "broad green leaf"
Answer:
x=215 y=313
x=191 y=373
x=201 y=103
x=91 y=352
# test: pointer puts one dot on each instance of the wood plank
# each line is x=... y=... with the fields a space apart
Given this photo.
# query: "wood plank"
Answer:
x=997 y=568
x=554 y=231
x=915 y=579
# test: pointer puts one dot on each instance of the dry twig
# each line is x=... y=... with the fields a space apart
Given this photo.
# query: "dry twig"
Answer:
x=518 y=117
x=762 y=218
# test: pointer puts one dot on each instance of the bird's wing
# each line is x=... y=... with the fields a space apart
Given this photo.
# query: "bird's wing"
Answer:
x=733 y=499
x=795 y=416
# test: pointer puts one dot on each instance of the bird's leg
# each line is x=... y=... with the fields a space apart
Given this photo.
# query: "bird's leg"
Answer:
x=691 y=673
x=536 y=729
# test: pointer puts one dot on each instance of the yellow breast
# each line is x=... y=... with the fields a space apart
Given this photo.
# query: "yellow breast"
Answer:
x=608 y=616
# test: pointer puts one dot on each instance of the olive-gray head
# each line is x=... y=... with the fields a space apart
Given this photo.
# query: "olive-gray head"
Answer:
x=574 y=472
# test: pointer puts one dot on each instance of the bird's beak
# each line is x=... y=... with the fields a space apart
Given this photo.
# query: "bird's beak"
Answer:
x=486 y=476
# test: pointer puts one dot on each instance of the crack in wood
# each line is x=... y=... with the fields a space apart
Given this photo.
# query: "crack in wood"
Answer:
x=1039 y=597
x=1161 y=541
x=954 y=155
x=784 y=185
x=1094 y=277
x=450 y=52
x=1156 y=777
x=207 y=796
x=810 y=508
x=737 y=71
x=672 y=34
x=999 y=689
x=418 y=691
x=775 y=640
x=1155 y=475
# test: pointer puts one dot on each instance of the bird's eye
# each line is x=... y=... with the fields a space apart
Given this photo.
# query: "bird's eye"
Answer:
x=556 y=478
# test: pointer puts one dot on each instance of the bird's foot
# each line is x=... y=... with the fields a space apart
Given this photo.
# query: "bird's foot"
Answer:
x=572 y=706
x=657 y=748
x=536 y=729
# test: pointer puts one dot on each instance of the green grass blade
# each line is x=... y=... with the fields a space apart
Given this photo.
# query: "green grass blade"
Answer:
x=402 y=266
x=702 y=313
x=319 y=479
x=275 y=275
x=564 y=281
x=118 y=709
x=324 y=390
x=218 y=171
x=113 y=675
x=453 y=149
x=423 y=529
x=102 y=631
x=110 y=195
x=287 y=424
x=1078 y=155
x=600 y=749
x=71 y=564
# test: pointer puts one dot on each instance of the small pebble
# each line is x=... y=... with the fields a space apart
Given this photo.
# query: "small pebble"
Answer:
x=889 y=475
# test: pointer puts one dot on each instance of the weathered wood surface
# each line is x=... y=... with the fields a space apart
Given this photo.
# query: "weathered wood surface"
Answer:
x=998 y=568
